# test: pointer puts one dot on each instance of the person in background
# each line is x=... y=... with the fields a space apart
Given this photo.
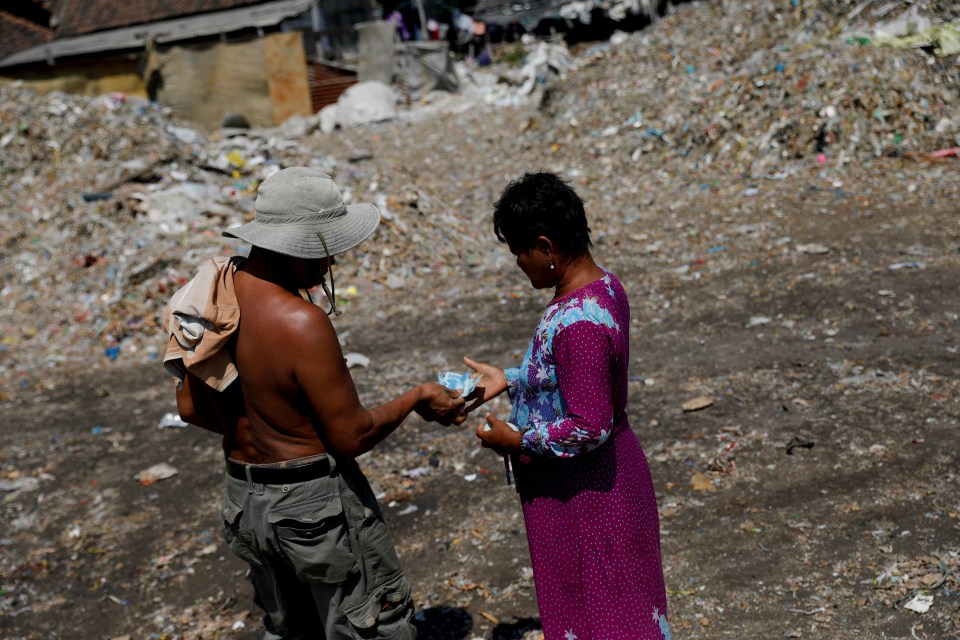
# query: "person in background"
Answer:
x=585 y=488
x=396 y=17
x=261 y=365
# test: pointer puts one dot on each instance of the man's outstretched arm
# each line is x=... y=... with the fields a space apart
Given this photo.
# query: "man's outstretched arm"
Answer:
x=350 y=429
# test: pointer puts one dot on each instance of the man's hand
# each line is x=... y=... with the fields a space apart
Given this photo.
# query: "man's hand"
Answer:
x=439 y=404
x=493 y=383
x=499 y=436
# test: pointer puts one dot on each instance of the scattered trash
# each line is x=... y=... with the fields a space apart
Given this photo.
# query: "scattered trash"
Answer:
x=946 y=153
x=798 y=442
x=156 y=473
x=22 y=483
x=698 y=403
x=362 y=103
x=490 y=617
x=757 y=321
x=547 y=61
x=172 y=420
x=356 y=360
x=813 y=248
x=919 y=603
x=702 y=482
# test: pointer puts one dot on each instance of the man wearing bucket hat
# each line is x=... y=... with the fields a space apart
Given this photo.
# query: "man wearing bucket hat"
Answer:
x=298 y=509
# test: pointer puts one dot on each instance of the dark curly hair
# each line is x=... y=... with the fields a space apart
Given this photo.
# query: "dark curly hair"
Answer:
x=542 y=204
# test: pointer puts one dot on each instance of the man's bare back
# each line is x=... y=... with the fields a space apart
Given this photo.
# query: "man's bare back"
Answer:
x=277 y=326
x=300 y=398
x=279 y=418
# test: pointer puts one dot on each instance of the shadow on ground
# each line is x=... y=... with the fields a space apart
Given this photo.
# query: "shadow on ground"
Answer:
x=516 y=630
x=453 y=623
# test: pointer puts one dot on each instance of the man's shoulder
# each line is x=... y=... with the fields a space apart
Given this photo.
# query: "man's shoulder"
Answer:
x=294 y=307
x=289 y=314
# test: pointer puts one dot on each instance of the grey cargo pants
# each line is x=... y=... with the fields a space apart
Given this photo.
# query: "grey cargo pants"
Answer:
x=321 y=559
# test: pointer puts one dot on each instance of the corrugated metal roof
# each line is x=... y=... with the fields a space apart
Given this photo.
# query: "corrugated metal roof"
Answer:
x=327 y=82
x=261 y=15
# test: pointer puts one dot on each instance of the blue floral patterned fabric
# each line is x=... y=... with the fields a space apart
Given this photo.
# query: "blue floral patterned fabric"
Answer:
x=540 y=408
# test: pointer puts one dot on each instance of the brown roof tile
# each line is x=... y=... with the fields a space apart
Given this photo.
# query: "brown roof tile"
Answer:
x=20 y=34
x=77 y=17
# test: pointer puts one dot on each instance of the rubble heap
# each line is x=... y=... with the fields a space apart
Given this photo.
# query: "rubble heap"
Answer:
x=110 y=204
x=760 y=89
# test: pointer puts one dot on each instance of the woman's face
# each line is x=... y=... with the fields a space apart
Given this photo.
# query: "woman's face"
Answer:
x=535 y=264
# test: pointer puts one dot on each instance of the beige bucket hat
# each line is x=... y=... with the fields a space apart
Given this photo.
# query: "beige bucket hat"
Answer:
x=298 y=206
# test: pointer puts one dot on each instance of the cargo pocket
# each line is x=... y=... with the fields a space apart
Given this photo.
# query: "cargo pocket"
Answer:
x=241 y=544
x=379 y=554
x=317 y=544
x=384 y=614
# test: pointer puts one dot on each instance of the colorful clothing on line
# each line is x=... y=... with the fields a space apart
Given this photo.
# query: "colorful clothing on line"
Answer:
x=585 y=487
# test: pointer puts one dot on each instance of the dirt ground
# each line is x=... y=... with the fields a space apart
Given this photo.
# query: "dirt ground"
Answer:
x=760 y=540
x=816 y=496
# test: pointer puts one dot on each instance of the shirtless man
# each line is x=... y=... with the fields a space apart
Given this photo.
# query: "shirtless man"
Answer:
x=298 y=509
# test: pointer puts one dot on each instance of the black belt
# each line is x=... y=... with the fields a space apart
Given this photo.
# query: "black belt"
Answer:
x=278 y=475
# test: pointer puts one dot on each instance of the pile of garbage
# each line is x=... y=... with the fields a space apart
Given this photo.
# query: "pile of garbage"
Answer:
x=110 y=204
x=70 y=261
x=764 y=89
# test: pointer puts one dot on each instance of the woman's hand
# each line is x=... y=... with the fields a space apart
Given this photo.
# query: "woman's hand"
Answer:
x=499 y=436
x=493 y=383
x=439 y=404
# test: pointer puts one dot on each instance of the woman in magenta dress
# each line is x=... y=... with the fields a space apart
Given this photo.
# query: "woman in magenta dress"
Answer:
x=584 y=484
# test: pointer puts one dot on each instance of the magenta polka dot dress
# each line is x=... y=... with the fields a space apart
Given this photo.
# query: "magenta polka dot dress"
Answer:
x=586 y=491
